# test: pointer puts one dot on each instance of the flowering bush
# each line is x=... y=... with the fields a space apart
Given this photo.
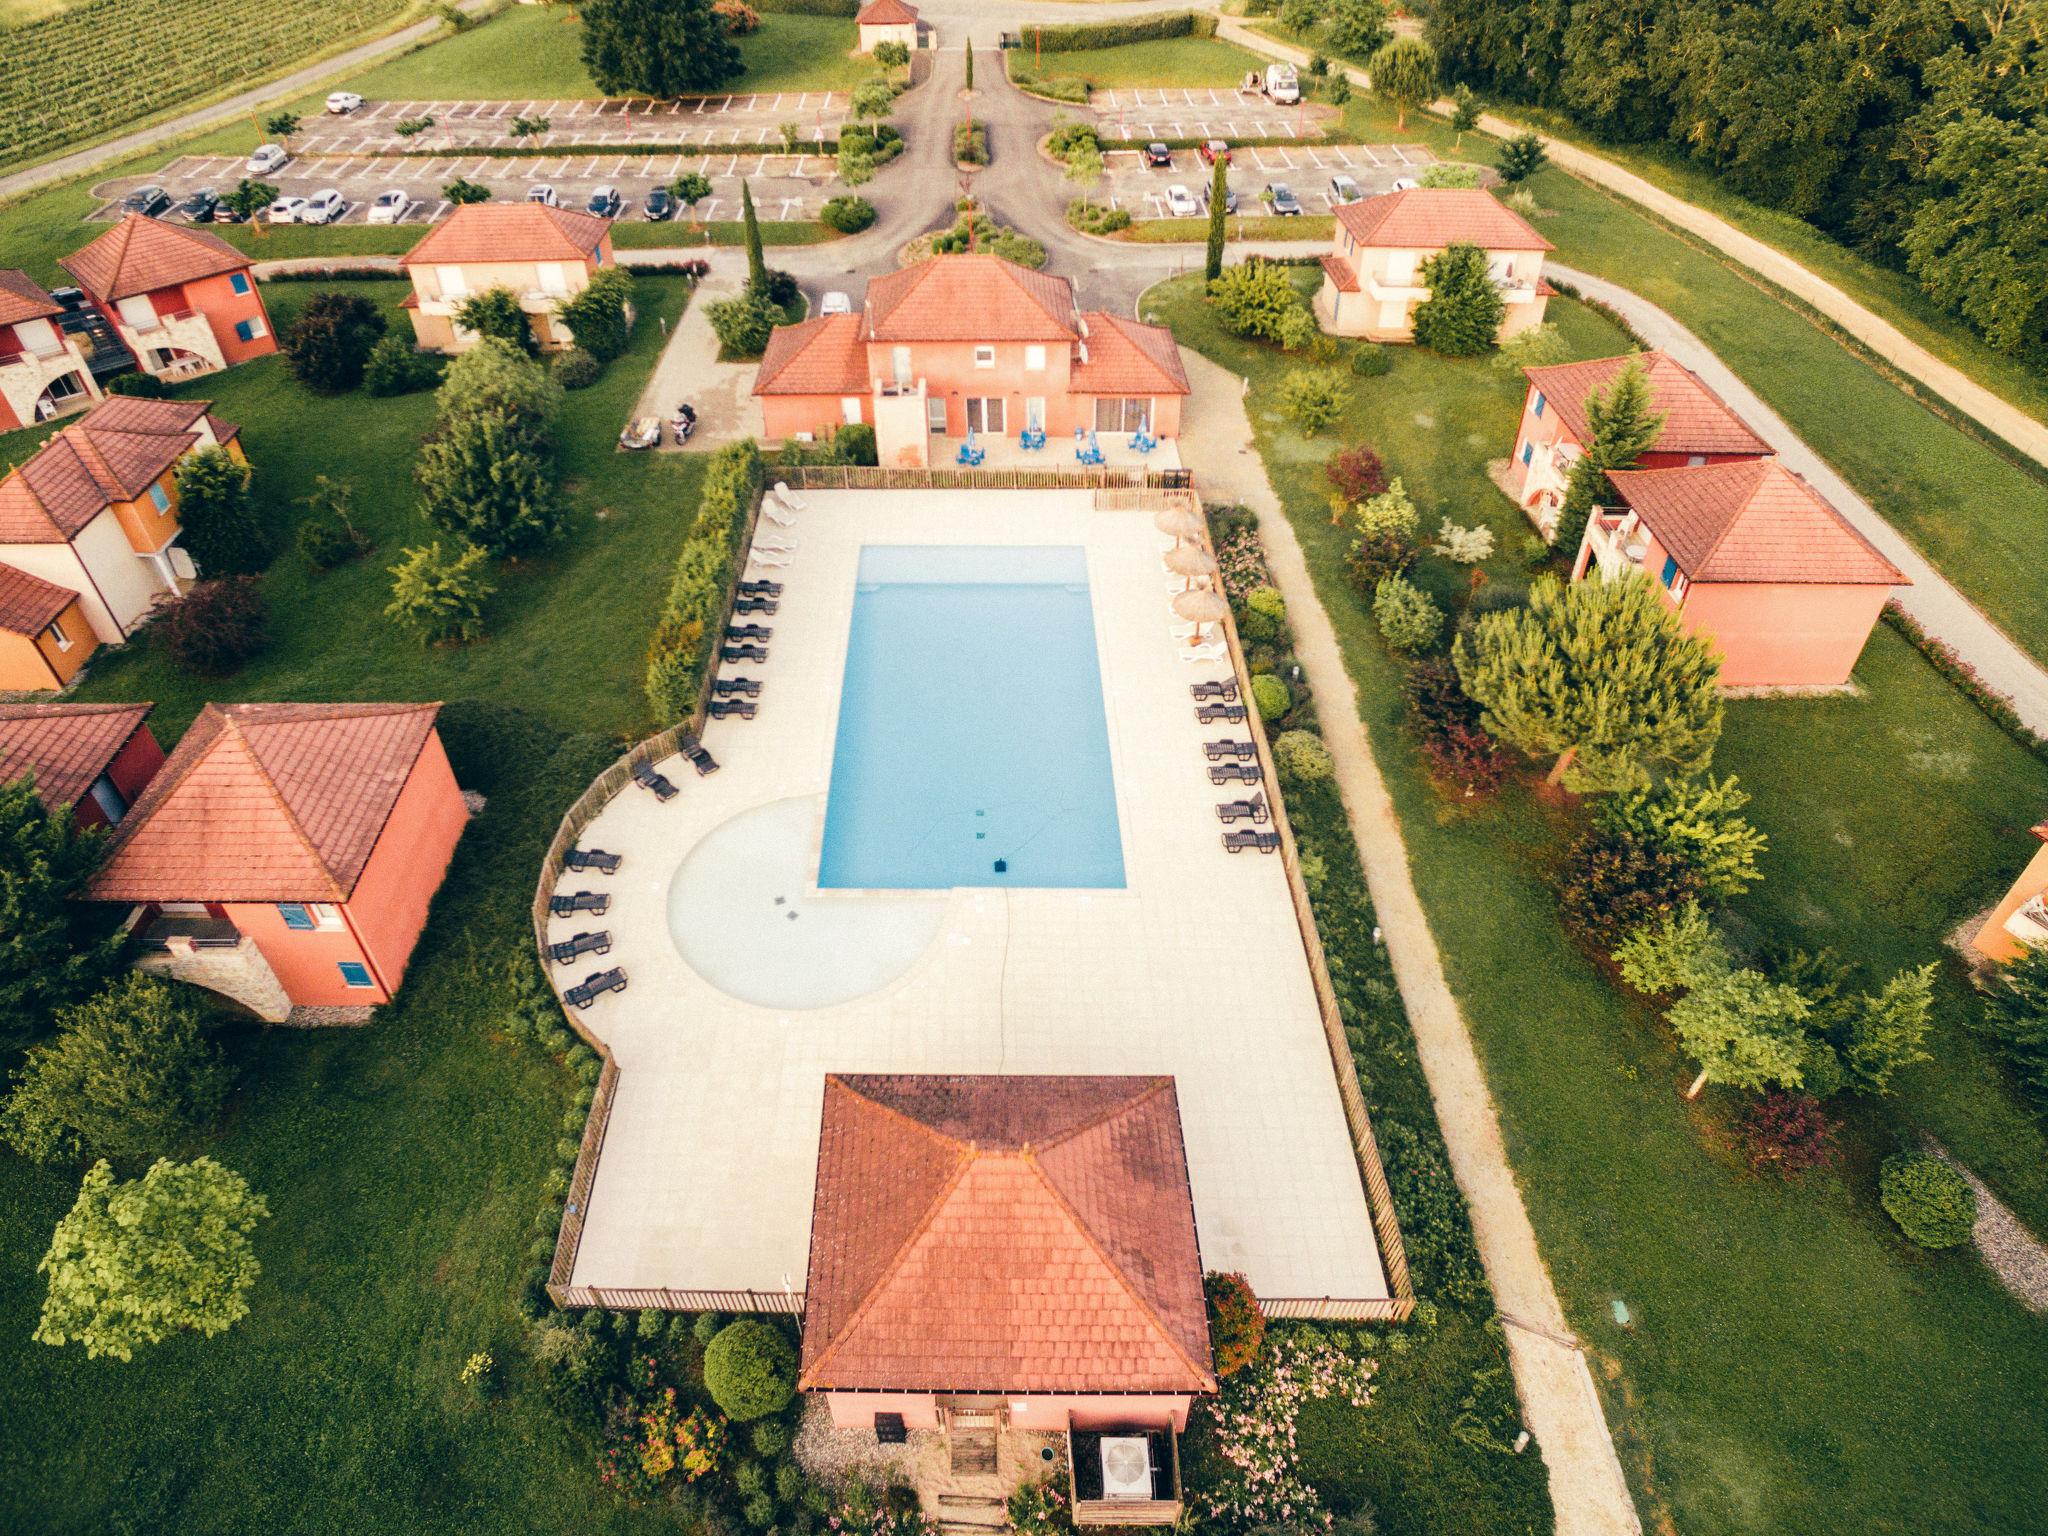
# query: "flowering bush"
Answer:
x=649 y=1437
x=1040 y=1509
x=894 y=1512
x=1255 y=1416
x=476 y=1371
x=1242 y=561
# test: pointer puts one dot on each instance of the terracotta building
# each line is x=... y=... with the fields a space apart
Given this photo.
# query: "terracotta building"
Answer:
x=1372 y=277
x=44 y=635
x=93 y=759
x=887 y=21
x=542 y=255
x=181 y=299
x=43 y=371
x=286 y=854
x=1753 y=558
x=2020 y=920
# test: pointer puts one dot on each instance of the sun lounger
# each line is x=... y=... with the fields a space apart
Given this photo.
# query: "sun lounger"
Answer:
x=1215 y=650
x=781 y=517
x=744 y=708
x=784 y=543
x=1227 y=689
x=748 y=632
x=580 y=859
x=1253 y=809
x=737 y=687
x=594 y=902
x=1226 y=714
x=743 y=653
x=594 y=986
x=761 y=605
x=645 y=776
x=700 y=760
x=761 y=588
x=770 y=559
x=789 y=498
x=1216 y=751
x=1265 y=842
x=1234 y=773
x=599 y=943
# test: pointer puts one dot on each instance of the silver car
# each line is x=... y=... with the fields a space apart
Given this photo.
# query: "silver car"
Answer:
x=390 y=207
x=324 y=207
x=1343 y=190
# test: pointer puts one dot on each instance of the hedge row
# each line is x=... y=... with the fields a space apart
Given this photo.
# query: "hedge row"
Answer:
x=1114 y=34
x=690 y=620
x=809 y=7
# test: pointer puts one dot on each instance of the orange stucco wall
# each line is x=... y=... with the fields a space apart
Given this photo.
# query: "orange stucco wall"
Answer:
x=1049 y=1414
x=149 y=530
x=1542 y=431
x=30 y=662
x=215 y=297
x=307 y=963
x=1783 y=636
x=1992 y=939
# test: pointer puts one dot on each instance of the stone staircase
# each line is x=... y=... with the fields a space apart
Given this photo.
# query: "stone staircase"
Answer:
x=963 y=1514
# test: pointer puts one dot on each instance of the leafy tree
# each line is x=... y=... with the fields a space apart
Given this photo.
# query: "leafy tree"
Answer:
x=1698 y=820
x=1463 y=313
x=134 y=1263
x=1253 y=298
x=690 y=189
x=742 y=324
x=249 y=198
x=792 y=135
x=750 y=1369
x=396 y=367
x=1084 y=166
x=1464 y=111
x=1537 y=347
x=489 y=477
x=281 y=126
x=1301 y=16
x=223 y=532
x=856 y=162
x=129 y=1073
x=1743 y=1030
x=1979 y=241
x=1599 y=673
x=872 y=98
x=1312 y=398
x=598 y=316
x=1404 y=73
x=493 y=375
x=1338 y=91
x=530 y=127
x=658 y=48
x=54 y=948
x=757 y=264
x=1622 y=426
x=496 y=313
x=1520 y=158
x=462 y=190
x=892 y=55
x=2015 y=1015
x=328 y=344
x=1408 y=617
x=216 y=625
x=440 y=596
x=1354 y=28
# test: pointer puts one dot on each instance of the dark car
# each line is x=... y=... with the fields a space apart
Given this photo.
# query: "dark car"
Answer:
x=1213 y=150
x=1158 y=154
x=660 y=204
x=199 y=207
x=1229 y=199
x=1282 y=197
x=148 y=201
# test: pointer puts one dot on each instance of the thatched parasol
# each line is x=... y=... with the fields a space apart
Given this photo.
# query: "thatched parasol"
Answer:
x=1190 y=560
x=1203 y=607
x=1179 y=522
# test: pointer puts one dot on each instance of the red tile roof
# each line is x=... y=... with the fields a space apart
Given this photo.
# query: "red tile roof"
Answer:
x=66 y=746
x=23 y=298
x=28 y=603
x=969 y=298
x=267 y=802
x=825 y=356
x=1004 y=1234
x=1339 y=272
x=141 y=255
x=111 y=453
x=485 y=232
x=1127 y=358
x=1430 y=218
x=1696 y=420
x=885 y=13
x=1751 y=520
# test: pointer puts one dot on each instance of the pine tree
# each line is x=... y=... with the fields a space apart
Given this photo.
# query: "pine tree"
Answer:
x=1463 y=313
x=757 y=264
x=1744 y=1030
x=1598 y=674
x=1219 y=199
x=54 y=948
x=224 y=533
x=1622 y=428
x=2016 y=1018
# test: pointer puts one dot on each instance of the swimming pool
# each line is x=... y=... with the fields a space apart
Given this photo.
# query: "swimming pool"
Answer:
x=972 y=747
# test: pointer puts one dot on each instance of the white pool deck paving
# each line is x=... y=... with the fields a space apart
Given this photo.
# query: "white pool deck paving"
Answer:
x=1195 y=969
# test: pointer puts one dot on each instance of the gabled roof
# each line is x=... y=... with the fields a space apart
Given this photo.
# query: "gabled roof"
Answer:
x=267 y=802
x=1004 y=1234
x=484 y=232
x=1751 y=520
x=1430 y=218
x=1128 y=358
x=111 y=453
x=969 y=298
x=885 y=13
x=23 y=298
x=825 y=356
x=28 y=604
x=66 y=746
x=1696 y=420
x=141 y=255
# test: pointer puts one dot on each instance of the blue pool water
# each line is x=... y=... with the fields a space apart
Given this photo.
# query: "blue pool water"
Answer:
x=970 y=725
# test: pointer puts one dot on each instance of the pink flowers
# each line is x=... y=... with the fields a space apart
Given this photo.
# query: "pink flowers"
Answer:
x=1255 y=1417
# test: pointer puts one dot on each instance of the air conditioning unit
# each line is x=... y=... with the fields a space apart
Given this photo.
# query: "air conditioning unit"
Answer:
x=1126 y=1467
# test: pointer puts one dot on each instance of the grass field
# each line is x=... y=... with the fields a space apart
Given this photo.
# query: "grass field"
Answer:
x=1792 y=1364
x=1172 y=61
x=1308 y=226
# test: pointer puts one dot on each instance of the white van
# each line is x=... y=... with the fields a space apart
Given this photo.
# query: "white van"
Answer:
x=1282 y=84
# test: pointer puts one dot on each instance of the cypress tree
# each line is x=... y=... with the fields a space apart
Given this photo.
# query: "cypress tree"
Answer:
x=969 y=46
x=757 y=265
x=1212 y=266
x=1622 y=428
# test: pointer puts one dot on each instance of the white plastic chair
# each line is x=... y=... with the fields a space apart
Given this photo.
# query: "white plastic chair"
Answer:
x=779 y=516
x=773 y=540
x=789 y=498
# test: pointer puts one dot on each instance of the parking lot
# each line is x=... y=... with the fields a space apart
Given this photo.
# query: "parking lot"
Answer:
x=785 y=186
x=1307 y=170
x=1202 y=113
x=707 y=121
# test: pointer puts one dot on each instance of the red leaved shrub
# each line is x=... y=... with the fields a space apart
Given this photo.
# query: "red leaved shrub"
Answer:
x=1788 y=1134
x=216 y=625
x=1355 y=473
x=1236 y=1325
x=1446 y=723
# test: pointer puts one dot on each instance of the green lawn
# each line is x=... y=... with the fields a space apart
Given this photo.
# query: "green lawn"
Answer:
x=1171 y=61
x=1793 y=1366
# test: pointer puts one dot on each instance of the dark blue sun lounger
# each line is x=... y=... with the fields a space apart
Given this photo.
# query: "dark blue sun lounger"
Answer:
x=744 y=708
x=1219 y=714
x=1226 y=689
x=1253 y=809
x=599 y=943
x=1234 y=773
x=744 y=653
x=580 y=859
x=645 y=776
x=1243 y=751
x=737 y=687
x=595 y=986
x=1265 y=842
x=580 y=901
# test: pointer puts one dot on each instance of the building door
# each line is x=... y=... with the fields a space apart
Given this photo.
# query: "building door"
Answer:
x=987 y=415
x=900 y=360
x=849 y=410
x=1034 y=413
x=935 y=412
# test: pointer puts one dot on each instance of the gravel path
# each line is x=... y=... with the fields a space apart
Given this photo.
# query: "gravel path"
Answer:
x=2016 y=1256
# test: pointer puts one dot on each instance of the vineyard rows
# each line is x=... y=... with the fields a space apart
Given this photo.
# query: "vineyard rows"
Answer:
x=106 y=63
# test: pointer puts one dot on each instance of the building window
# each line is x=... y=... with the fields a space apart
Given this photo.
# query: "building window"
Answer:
x=55 y=630
x=297 y=916
x=106 y=794
x=987 y=415
x=1670 y=570
x=248 y=330
x=1540 y=403
x=160 y=499
x=1528 y=453
x=1678 y=588
x=239 y=281
x=355 y=974
x=984 y=357
x=1694 y=460
x=1114 y=414
x=1034 y=359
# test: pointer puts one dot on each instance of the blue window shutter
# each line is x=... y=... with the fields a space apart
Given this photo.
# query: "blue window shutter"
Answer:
x=160 y=498
x=1670 y=568
x=354 y=973
x=243 y=332
x=1528 y=452
x=1539 y=402
x=296 y=916
x=239 y=281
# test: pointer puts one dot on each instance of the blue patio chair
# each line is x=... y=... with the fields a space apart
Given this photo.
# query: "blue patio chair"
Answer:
x=1032 y=440
x=1144 y=442
x=1092 y=454
x=971 y=453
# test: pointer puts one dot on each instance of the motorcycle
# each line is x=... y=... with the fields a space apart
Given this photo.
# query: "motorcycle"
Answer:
x=684 y=424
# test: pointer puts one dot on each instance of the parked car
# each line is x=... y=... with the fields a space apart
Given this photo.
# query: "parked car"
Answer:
x=285 y=210
x=148 y=201
x=267 y=158
x=835 y=303
x=1344 y=190
x=1180 y=202
x=1158 y=155
x=659 y=204
x=1282 y=197
x=200 y=206
x=604 y=202
x=1283 y=84
x=540 y=192
x=1405 y=184
x=1213 y=150
x=1229 y=199
x=644 y=432
x=390 y=207
x=323 y=207
x=341 y=103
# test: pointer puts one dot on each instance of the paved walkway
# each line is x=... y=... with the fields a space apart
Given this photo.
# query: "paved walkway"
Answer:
x=689 y=368
x=1996 y=415
x=1938 y=607
x=1558 y=1398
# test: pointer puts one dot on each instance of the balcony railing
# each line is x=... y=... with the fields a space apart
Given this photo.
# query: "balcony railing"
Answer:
x=1619 y=544
x=195 y=932
x=2030 y=923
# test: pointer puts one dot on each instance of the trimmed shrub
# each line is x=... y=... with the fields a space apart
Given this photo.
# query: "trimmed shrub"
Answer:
x=1408 y=617
x=1097 y=218
x=1370 y=360
x=140 y=386
x=1312 y=398
x=970 y=144
x=1272 y=697
x=1265 y=611
x=216 y=625
x=739 y=17
x=1932 y=1203
x=1302 y=758
x=1236 y=1325
x=1451 y=174
x=396 y=367
x=771 y=1438
x=1299 y=330
x=855 y=444
x=329 y=343
x=847 y=214
x=1069 y=134
x=440 y=597
x=750 y=1370
x=704 y=1328
x=1253 y=298
x=1083 y=36
x=742 y=324
x=576 y=369
x=699 y=590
